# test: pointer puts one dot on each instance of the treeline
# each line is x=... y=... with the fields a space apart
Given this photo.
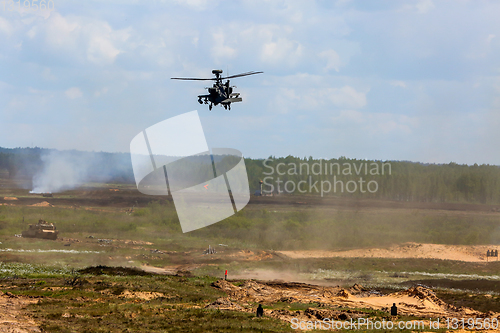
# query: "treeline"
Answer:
x=344 y=177
x=20 y=161
x=393 y=180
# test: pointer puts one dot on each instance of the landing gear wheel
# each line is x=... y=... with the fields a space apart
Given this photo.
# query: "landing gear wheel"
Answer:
x=229 y=107
x=210 y=107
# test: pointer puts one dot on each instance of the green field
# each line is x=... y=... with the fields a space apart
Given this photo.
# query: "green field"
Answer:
x=124 y=228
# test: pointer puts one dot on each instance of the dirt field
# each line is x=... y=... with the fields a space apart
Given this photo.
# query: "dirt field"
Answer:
x=410 y=251
x=416 y=301
x=304 y=283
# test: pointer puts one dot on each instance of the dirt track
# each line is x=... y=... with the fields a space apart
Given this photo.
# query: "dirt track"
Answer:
x=409 y=250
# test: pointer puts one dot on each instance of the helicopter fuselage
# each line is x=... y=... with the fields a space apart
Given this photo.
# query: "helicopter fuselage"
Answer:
x=220 y=93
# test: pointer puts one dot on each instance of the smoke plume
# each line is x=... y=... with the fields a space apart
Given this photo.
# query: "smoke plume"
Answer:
x=65 y=170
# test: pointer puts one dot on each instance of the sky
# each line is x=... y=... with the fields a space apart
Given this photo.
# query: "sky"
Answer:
x=415 y=80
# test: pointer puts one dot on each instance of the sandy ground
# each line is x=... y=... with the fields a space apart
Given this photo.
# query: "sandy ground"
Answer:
x=12 y=317
x=416 y=301
x=408 y=250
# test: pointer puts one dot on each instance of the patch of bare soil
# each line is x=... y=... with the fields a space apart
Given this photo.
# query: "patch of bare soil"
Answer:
x=415 y=301
x=144 y=295
x=224 y=303
x=176 y=270
x=134 y=242
x=10 y=198
x=251 y=255
x=475 y=253
x=12 y=316
x=42 y=204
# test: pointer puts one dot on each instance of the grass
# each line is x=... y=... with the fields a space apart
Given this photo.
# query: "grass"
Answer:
x=31 y=270
x=97 y=305
x=480 y=302
x=93 y=303
x=254 y=227
x=356 y=269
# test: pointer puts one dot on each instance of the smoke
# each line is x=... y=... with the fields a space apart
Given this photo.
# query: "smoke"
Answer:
x=67 y=170
x=59 y=172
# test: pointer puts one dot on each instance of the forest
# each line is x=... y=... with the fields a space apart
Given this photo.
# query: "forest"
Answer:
x=395 y=180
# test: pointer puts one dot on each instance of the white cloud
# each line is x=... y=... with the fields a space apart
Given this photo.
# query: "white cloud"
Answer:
x=423 y=6
x=396 y=83
x=5 y=27
x=220 y=50
x=376 y=123
x=345 y=97
x=198 y=5
x=103 y=91
x=83 y=38
x=17 y=103
x=101 y=50
x=288 y=99
x=61 y=33
x=332 y=59
x=271 y=44
x=32 y=32
x=350 y=116
x=47 y=74
x=285 y=100
x=73 y=93
x=281 y=50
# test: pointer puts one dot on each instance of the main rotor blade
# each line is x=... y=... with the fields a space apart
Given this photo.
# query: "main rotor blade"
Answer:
x=239 y=75
x=214 y=78
x=191 y=78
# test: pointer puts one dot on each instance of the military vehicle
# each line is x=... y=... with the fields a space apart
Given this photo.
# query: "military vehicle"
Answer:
x=42 y=229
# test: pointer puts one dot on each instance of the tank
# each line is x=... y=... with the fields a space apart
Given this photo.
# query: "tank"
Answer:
x=42 y=229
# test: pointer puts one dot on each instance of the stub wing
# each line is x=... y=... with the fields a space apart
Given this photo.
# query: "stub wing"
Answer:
x=232 y=100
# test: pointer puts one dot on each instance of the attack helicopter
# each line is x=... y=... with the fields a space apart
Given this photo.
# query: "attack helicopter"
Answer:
x=221 y=92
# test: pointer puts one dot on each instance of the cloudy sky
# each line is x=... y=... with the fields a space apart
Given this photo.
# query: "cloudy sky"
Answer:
x=411 y=80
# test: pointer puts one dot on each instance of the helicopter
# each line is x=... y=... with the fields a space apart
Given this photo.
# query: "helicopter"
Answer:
x=221 y=93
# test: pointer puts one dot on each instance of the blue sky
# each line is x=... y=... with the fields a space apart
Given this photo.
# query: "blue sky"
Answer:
x=399 y=80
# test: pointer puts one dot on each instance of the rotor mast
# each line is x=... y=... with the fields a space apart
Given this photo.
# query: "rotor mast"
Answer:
x=217 y=73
